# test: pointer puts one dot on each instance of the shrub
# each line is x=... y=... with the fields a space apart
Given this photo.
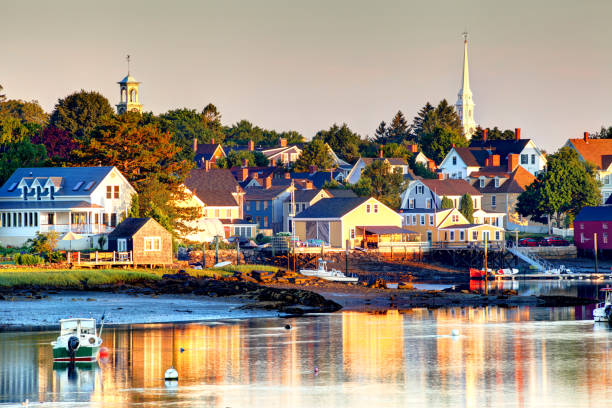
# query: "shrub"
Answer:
x=44 y=242
x=261 y=239
x=55 y=257
x=28 y=259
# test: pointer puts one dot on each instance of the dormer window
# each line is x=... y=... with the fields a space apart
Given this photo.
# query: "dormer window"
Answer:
x=25 y=193
x=454 y=160
x=496 y=182
x=51 y=192
x=482 y=182
x=38 y=193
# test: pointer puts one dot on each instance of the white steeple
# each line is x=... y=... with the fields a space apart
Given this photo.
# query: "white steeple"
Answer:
x=128 y=88
x=465 y=104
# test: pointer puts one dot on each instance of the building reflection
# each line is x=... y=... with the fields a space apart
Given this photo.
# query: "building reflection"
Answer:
x=503 y=356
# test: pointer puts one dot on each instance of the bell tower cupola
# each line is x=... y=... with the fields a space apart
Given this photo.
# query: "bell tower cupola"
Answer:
x=129 y=100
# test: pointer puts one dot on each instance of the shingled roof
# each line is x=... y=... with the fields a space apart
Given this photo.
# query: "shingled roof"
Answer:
x=205 y=151
x=513 y=183
x=596 y=151
x=128 y=227
x=450 y=187
x=215 y=187
x=601 y=213
x=332 y=207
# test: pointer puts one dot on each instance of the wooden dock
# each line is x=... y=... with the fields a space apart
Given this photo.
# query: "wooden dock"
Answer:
x=552 y=276
x=100 y=259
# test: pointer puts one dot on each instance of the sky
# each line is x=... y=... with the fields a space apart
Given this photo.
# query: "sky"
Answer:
x=544 y=66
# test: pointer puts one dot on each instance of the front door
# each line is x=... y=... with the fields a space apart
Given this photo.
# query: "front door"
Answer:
x=122 y=245
x=429 y=236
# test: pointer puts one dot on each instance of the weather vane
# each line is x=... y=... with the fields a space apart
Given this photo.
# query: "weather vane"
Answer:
x=464 y=34
x=128 y=61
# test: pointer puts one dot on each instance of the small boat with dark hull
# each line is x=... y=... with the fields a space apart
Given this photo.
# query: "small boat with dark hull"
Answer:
x=603 y=311
x=78 y=341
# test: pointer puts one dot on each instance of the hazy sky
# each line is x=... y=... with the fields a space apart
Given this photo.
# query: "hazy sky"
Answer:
x=544 y=66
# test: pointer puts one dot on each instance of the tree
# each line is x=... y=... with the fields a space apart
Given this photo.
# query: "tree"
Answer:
x=344 y=142
x=381 y=183
x=236 y=157
x=440 y=141
x=58 y=143
x=493 y=134
x=399 y=130
x=567 y=186
x=211 y=118
x=185 y=125
x=446 y=203
x=467 y=207
x=43 y=242
x=419 y=120
x=316 y=153
x=242 y=132
x=603 y=133
x=20 y=154
x=2 y=96
x=12 y=130
x=429 y=118
x=156 y=173
x=26 y=112
x=381 y=133
x=81 y=112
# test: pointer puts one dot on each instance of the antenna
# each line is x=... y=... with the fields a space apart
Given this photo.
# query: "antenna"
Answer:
x=128 y=62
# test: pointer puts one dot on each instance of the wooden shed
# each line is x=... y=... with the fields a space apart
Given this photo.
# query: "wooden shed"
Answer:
x=149 y=242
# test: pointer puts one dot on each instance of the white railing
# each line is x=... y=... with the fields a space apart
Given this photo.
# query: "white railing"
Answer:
x=564 y=232
x=77 y=228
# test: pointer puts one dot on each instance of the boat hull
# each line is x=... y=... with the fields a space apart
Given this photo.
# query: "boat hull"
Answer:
x=82 y=354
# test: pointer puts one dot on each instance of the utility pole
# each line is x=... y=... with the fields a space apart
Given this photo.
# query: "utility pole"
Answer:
x=237 y=250
x=595 y=250
x=486 y=273
x=216 y=249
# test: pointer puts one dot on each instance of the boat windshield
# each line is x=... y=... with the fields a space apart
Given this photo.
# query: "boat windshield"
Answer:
x=76 y=326
x=88 y=327
x=323 y=265
x=69 y=327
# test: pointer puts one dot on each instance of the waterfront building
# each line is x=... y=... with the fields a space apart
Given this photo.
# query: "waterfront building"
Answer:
x=299 y=201
x=428 y=194
x=129 y=99
x=264 y=204
x=460 y=162
x=465 y=104
x=394 y=162
x=591 y=221
x=89 y=201
x=599 y=153
x=145 y=238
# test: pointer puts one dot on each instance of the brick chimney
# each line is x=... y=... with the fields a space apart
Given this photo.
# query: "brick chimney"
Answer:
x=517 y=133
x=255 y=175
x=485 y=133
x=440 y=176
x=195 y=144
x=287 y=175
x=212 y=141
x=245 y=162
x=309 y=185
x=283 y=142
x=586 y=137
x=513 y=162
x=268 y=182
x=312 y=169
x=380 y=152
x=244 y=173
x=206 y=165
x=414 y=148
x=251 y=145
x=492 y=161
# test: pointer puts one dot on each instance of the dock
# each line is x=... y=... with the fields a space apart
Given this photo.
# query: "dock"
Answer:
x=100 y=259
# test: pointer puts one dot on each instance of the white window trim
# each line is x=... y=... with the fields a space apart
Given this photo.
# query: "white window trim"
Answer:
x=120 y=247
x=152 y=239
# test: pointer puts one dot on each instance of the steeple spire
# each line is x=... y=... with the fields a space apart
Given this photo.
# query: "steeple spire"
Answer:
x=128 y=62
x=465 y=104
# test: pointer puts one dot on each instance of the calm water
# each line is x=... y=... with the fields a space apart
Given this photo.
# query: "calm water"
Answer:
x=503 y=357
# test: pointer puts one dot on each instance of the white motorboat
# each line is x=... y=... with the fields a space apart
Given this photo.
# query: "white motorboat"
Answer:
x=78 y=341
x=328 y=274
x=603 y=311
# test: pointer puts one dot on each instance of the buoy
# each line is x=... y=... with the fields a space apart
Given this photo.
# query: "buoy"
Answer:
x=316 y=370
x=455 y=333
x=171 y=374
x=182 y=349
x=288 y=326
x=103 y=354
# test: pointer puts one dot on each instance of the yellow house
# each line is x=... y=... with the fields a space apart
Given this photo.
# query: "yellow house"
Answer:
x=338 y=220
x=449 y=226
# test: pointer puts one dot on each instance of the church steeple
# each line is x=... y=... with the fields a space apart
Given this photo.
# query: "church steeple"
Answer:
x=465 y=104
x=128 y=88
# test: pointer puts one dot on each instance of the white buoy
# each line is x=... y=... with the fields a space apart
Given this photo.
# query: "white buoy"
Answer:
x=455 y=333
x=171 y=374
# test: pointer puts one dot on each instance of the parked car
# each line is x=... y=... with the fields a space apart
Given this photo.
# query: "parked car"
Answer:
x=553 y=241
x=244 y=241
x=528 y=242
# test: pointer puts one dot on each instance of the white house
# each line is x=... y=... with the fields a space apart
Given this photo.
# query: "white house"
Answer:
x=428 y=194
x=89 y=201
x=396 y=163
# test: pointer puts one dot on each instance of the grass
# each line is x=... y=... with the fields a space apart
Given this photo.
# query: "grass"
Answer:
x=75 y=278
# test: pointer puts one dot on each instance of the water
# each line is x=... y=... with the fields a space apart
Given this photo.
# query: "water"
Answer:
x=503 y=357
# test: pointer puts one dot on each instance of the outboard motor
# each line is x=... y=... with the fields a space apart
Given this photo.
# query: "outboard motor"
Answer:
x=73 y=345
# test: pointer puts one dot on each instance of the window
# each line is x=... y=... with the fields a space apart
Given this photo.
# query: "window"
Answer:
x=257 y=205
x=533 y=159
x=475 y=235
x=420 y=189
x=482 y=182
x=422 y=220
x=452 y=235
x=113 y=220
x=375 y=208
x=414 y=220
x=77 y=186
x=476 y=206
x=265 y=205
x=493 y=201
x=89 y=185
x=411 y=203
x=3 y=219
x=36 y=219
x=496 y=182
x=258 y=218
x=581 y=225
x=462 y=235
x=454 y=160
x=105 y=218
x=121 y=244
x=217 y=214
x=50 y=219
x=431 y=220
x=605 y=225
x=109 y=192
x=524 y=159
x=605 y=237
x=352 y=233
x=116 y=191
x=368 y=208
x=582 y=237
x=497 y=235
x=152 y=244
x=455 y=218
x=428 y=203
x=266 y=221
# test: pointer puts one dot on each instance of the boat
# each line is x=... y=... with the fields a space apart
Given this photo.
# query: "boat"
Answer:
x=507 y=271
x=78 y=341
x=328 y=274
x=603 y=311
x=480 y=273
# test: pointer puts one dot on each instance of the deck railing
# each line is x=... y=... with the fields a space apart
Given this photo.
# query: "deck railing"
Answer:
x=101 y=258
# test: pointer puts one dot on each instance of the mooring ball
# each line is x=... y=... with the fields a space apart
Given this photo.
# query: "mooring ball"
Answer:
x=103 y=353
x=182 y=349
x=455 y=333
x=171 y=374
x=288 y=326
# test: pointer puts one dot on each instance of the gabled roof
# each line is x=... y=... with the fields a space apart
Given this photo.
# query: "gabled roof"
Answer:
x=600 y=213
x=260 y=193
x=501 y=147
x=128 y=79
x=468 y=157
x=450 y=187
x=332 y=207
x=341 y=193
x=596 y=151
x=68 y=178
x=128 y=227
x=393 y=161
x=513 y=183
x=215 y=187
x=206 y=151
x=318 y=178
x=303 y=196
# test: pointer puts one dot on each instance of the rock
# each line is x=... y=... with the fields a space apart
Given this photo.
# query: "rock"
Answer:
x=91 y=299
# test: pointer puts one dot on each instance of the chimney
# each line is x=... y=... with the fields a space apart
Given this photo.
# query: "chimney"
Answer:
x=244 y=173
x=495 y=160
x=206 y=165
x=212 y=141
x=431 y=165
x=309 y=185
x=453 y=145
x=255 y=175
x=312 y=169
x=513 y=161
x=283 y=142
x=414 y=148
x=287 y=176
x=440 y=176
x=251 y=145
x=380 y=152
x=245 y=162
x=195 y=144
x=485 y=133
x=586 y=137
x=268 y=182
x=517 y=133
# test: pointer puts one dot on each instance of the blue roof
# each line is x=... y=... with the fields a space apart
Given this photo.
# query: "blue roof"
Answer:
x=46 y=205
x=332 y=207
x=601 y=213
x=68 y=179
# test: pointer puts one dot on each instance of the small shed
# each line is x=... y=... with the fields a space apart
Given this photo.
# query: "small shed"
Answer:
x=149 y=242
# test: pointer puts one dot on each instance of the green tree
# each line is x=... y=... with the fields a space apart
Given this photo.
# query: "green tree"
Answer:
x=378 y=181
x=2 y=96
x=562 y=191
x=493 y=134
x=185 y=125
x=446 y=203
x=603 y=133
x=156 y=173
x=343 y=141
x=12 y=130
x=243 y=131
x=440 y=141
x=81 y=112
x=381 y=134
x=398 y=131
x=315 y=153
x=467 y=207
x=429 y=119
x=26 y=112
x=20 y=154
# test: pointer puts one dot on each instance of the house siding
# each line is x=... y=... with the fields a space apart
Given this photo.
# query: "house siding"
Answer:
x=587 y=229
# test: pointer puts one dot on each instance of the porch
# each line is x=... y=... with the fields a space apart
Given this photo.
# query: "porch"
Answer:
x=95 y=259
x=385 y=237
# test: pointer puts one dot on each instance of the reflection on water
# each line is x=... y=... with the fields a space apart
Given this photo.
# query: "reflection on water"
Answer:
x=503 y=357
x=580 y=288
